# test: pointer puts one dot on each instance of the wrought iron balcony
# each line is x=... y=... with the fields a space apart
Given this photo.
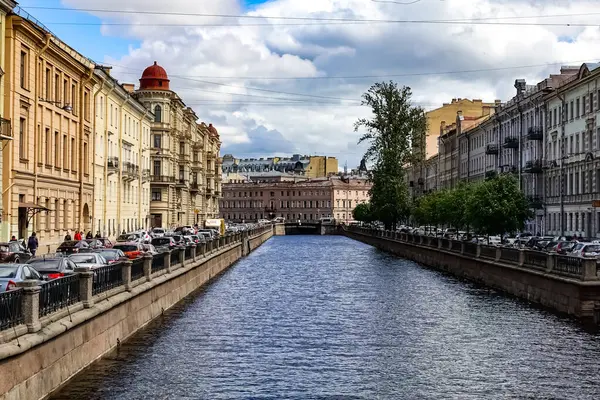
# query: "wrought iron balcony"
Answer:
x=534 y=167
x=535 y=133
x=112 y=164
x=536 y=202
x=184 y=157
x=194 y=187
x=511 y=143
x=162 y=179
x=5 y=129
x=145 y=175
x=491 y=148
x=131 y=171
x=182 y=182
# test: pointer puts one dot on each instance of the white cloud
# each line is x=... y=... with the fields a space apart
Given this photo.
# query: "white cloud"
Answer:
x=336 y=49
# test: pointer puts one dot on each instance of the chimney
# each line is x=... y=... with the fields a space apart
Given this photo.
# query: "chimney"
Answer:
x=497 y=103
x=130 y=87
x=520 y=85
x=442 y=127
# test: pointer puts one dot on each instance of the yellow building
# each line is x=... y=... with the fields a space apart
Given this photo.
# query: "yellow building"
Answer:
x=321 y=166
x=47 y=177
x=447 y=113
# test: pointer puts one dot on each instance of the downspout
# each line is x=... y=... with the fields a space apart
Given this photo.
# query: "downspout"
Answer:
x=36 y=116
x=106 y=154
x=120 y=150
x=561 y=159
x=84 y=81
x=94 y=154
x=141 y=173
x=520 y=156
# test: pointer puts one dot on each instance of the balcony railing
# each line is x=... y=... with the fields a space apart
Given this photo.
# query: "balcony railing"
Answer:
x=184 y=157
x=131 y=171
x=162 y=179
x=536 y=202
x=112 y=165
x=194 y=187
x=534 y=167
x=535 y=133
x=5 y=129
x=182 y=182
x=511 y=143
x=491 y=148
x=145 y=175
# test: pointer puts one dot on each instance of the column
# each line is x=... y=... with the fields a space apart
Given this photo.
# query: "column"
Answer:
x=148 y=266
x=31 y=304
x=86 y=282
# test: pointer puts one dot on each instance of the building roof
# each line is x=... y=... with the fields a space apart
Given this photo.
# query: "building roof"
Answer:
x=154 y=78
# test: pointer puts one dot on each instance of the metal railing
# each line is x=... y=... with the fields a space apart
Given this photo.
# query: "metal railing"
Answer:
x=188 y=253
x=58 y=294
x=487 y=252
x=158 y=262
x=175 y=257
x=511 y=255
x=5 y=128
x=106 y=278
x=536 y=259
x=162 y=179
x=569 y=266
x=11 y=309
x=137 y=269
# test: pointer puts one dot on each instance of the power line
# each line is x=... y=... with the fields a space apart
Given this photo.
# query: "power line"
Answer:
x=397 y=2
x=472 y=21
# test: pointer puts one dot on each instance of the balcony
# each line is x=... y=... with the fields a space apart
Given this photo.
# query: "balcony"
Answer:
x=182 y=183
x=509 y=169
x=534 y=167
x=194 y=187
x=162 y=179
x=112 y=165
x=5 y=129
x=511 y=143
x=145 y=175
x=536 y=202
x=535 y=133
x=131 y=172
x=491 y=174
x=184 y=158
x=217 y=193
x=491 y=148
x=197 y=165
x=208 y=191
x=210 y=155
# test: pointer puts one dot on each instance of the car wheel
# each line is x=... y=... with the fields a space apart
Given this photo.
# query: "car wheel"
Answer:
x=16 y=260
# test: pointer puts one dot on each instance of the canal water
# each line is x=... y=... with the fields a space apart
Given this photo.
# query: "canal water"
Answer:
x=310 y=317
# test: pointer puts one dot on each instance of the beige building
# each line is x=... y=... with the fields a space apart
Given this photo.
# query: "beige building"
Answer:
x=47 y=168
x=346 y=194
x=185 y=169
x=121 y=159
x=5 y=124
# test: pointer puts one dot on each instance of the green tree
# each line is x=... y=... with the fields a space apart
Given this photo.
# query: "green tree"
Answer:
x=390 y=132
x=497 y=206
x=362 y=213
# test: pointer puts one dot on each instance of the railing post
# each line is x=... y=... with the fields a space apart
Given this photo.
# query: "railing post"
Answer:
x=521 y=257
x=181 y=257
x=86 y=283
x=203 y=249
x=167 y=260
x=478 y=250
x=193 y=253
x=462 y=247
x=550 y=262
x=589 y=269
x=148 y=266
x=31 y=304
x=126 y=274
x=498 y=253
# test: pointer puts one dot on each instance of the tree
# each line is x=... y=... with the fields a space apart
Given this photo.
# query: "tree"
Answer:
x=497 y=206
x=362 y=213
x=390 y=134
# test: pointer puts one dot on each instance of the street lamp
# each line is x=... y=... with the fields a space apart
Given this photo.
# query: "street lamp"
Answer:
x=67 y=107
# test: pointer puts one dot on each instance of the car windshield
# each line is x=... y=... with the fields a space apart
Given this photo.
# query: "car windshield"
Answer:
x=8 y=272
x=83 y=259
x=110 y=255
x=126 y=247
x=46 y=265
x=594 y=248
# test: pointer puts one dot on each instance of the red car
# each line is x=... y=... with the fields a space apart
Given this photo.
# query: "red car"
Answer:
x=132 y=250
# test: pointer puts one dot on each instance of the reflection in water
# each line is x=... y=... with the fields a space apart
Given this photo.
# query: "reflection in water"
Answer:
x=310 y=317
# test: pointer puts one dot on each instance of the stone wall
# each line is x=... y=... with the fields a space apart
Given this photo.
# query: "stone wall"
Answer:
x=569 y=295
x=39 y=363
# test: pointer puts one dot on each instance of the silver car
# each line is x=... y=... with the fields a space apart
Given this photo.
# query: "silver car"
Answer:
x=91 y=260
x=10 y=274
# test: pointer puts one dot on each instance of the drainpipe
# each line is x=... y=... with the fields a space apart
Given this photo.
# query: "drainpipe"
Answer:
x=562 y=158
x=84 y=81
x=141 y=174
x=35 y=131
x=120 y=148
x=520 y=155
x=106 y=153
x=94 y=155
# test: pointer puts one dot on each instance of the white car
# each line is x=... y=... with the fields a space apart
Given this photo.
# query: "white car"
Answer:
x=591 y=250
x=158 y=232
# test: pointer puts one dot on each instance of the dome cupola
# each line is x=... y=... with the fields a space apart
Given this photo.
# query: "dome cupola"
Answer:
x=154 y=78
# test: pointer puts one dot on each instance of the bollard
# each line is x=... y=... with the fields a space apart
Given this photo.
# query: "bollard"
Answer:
x=167 y=261
x=550 y=262
x=181 y=257
x=193 y=253
x=148 y=266
x=126 y=274
x=498 y=253
x=521 y=257
x=478 y=250
x=86 y=283
x=31 y=304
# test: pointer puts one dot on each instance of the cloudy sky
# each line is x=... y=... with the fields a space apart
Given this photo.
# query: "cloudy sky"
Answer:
x=293 y=84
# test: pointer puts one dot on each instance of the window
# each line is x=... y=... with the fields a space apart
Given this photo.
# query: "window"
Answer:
x=56 y=149
x=577 y=110
x=157 y=114
x=66 y=92
x=591 y=102
x=48 y=83
x=74 y=98
x=572 y=110
x=583 y=104
x=86 y=105
x=73 y=155
x=181 y=147
x=86 y=167
x=40 y=141
x=22 y=139
x=65 y=152
x=57 y=87
x=24 y=69
x=157 y=168
x=48 y=146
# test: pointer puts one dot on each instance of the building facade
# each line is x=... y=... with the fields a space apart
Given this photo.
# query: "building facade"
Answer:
x=308 y=166
x=305 y=201
x=121 y=159
x=185 y=170
x=47 y=168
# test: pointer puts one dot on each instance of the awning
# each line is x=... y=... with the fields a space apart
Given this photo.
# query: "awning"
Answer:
x=32 y=206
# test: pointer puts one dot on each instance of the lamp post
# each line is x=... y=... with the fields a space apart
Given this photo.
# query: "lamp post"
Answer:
x=67 y=107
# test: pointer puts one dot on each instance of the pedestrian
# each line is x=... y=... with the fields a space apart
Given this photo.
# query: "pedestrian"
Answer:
x=123 y=233
x=78 y=236
x=88 y=235
x=98 y=236
x=32 y=244
x=68 y=236
x=13 y=238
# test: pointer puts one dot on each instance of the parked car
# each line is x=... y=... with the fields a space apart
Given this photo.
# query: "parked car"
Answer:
x=106 y=243
x=132 y=250
x=564 y=247
x=13 y=252
x=208 y=233
x=178 y=239
x=164 y=243
x=52 y=267
x=91 y=260
x=112 y=255
x=149 y=249
x=188 y=229
x=95 y=243
x=157 y=232
x=10 y=274
x=198 y=239
x=588 y=250
x=129 y=237
x=73 y=246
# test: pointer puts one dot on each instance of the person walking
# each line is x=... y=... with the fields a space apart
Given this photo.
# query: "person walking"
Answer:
x=98 y=236
x=32 y=244
x=68 y=236
x=78 y=236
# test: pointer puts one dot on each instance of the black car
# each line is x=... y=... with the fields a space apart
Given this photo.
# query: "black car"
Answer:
x=73 y=246
x=164 y=243
x=112 y=255
x=52 y=267
x=14 y=252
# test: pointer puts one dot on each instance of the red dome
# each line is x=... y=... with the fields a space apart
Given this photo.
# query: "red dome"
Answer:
x=154 y=78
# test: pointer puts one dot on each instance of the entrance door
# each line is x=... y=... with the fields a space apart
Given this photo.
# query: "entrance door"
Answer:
x=22 y=223
x=157 y=220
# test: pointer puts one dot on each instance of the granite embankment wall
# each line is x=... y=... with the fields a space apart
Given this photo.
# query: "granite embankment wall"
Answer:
x=39 y=355
x=568 y=285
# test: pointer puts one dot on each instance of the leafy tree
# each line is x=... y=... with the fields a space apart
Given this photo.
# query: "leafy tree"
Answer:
x=390 y=134
x=497 y=206
x=362 y=212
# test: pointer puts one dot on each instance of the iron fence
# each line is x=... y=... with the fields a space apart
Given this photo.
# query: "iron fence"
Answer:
x=456 y=246
x=106 y=278
x=470 y=248
x=445 y=243
x=175 y=259
x=434 y=242
x=488 y=251
x=571 y=266
x=11 y=309
x=58 y=294
x=510 y=255
x=536 y=259
x=137 y=269
x=158 y=261
x=188 y=253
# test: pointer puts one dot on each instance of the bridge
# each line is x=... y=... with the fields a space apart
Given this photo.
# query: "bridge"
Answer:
x=309 y=228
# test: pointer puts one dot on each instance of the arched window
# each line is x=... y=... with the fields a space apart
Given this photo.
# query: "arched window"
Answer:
x=157 y=113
